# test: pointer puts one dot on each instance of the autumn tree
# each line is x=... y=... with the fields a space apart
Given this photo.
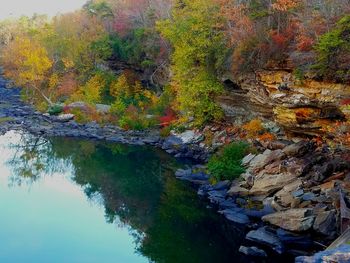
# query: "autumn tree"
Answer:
x=198 y=52
x=333 y=52
x=27 y=63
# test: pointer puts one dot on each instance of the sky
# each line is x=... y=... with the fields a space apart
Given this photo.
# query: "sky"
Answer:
x=16 y=8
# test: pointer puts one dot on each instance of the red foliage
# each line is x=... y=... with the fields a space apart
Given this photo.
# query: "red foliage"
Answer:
x=345 y=102
x=168 y=118
x=304 y=43
x=279 y=39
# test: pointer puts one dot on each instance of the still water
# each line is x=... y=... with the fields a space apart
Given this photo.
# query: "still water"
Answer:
x=66 y=200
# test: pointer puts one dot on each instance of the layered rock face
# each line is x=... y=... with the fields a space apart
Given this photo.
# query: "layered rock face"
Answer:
x=306 y=107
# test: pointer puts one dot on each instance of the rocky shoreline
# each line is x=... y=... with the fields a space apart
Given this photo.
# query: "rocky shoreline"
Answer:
x=289 y=200
x=293 y=199
x=16 y=115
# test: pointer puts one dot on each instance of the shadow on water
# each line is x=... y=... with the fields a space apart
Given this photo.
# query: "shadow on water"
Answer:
x=137 y=189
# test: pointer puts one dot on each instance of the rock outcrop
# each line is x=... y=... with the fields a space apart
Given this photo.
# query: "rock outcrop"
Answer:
x=300 y=106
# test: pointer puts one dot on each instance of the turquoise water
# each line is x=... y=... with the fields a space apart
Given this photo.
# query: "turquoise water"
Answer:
x=67 y=200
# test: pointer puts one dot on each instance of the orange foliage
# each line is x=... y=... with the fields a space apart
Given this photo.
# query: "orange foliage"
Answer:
x=239 y=26
x=253 y=128
x=285 y=5
x=68 y=85
x=267 y=137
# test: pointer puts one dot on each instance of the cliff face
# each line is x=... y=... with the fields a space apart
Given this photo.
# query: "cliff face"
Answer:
x=306 y=107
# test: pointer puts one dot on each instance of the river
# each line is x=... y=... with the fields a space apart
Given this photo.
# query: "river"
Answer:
x=72 y=200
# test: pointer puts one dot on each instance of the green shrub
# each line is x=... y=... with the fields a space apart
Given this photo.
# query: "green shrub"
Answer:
x=55 y=109
x=226 y=164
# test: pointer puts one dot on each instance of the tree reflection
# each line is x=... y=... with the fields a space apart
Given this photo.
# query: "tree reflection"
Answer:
x=137 y=189
x=32 y=158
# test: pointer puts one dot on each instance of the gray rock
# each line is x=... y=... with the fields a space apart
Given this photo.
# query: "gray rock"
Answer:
x=197 y=178
x=65 y=117
x=308 y=197
x=216 y=193
x=297 y=220
x=340 y=255
x=78 y=105
x=223 y=185
x=325 y=223
x=187 y=137
x=265 y=237
x=289 y=238
x=246 y=160
x=253 y=251
x=183 y=172
x=237 y=190
x=262 y=160
x=284 y=197
x=235 y=216
x=103 y=108
x=249 y=178
x=266 y=184
x=296 y=149
x=298 y=193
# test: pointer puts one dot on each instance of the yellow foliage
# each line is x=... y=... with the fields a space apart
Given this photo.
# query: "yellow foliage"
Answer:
x=68 y=63
x=54 y=81
x=92 y=89
x=124 y=87
x=26 y=62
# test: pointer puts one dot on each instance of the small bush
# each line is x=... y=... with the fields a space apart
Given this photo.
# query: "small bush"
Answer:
x=253 y=128
x=55 y=109
x=165 y=131
x=226 y=164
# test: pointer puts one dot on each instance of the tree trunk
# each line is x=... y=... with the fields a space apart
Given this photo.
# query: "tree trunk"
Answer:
x=44 y=96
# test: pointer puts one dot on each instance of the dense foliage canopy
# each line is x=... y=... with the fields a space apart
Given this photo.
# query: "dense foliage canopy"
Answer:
x=127 y=53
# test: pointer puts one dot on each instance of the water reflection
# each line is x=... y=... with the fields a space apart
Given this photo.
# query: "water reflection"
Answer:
x=137 y=190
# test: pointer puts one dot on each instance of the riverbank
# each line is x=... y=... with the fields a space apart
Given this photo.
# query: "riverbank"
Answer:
x=288 y=200
x=16 y=115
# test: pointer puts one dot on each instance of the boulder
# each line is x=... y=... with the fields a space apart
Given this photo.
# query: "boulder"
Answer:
x=237 y=190
x=248 y=179
x=260 y=210
x=235 y=216
x=325 y=223
x=262 y=160
x=78 y=105
x=252 y=251
x=65 y=117
x=267 y=238
x=222 y=185
x=297 y=149
x=266 y=184
x=293 y=239
x=297 y=166
x=296 y=220
x=103 y=108
x=197 y=178
x=285 y=196
x=247 y=159
x=340 y=254
x=187 y=137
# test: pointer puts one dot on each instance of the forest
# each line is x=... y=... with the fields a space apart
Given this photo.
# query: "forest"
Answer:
x=160 y=63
